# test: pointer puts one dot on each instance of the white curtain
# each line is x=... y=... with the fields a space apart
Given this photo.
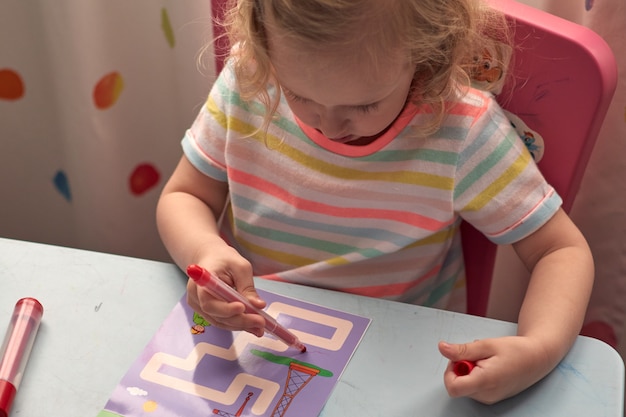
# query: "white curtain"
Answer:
x=94 y=99
x=600 y=207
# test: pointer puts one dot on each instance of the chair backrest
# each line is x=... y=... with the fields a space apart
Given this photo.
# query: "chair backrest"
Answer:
x=563 y=79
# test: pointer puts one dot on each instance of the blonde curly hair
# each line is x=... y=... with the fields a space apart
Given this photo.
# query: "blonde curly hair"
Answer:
x=443 y=39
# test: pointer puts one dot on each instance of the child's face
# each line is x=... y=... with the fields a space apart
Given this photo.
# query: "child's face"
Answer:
x=337 y=94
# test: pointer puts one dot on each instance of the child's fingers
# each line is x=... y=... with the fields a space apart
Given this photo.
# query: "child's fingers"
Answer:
x=471 y=351
x=250 y=293
x=465 y=386
x=458 y=383
x=222 y=314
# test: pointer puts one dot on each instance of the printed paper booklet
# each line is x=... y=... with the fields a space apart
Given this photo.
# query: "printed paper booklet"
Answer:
x=193 y=369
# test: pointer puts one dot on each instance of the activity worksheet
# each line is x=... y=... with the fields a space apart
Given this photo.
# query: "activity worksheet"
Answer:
x=191 y=368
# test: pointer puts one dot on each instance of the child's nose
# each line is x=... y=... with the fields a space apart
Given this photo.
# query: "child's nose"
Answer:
x=333 y=125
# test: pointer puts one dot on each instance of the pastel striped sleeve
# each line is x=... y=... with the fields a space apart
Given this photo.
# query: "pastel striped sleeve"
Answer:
x=536 y=218
x=205 y=141
x=498 y=187
x=200 y=160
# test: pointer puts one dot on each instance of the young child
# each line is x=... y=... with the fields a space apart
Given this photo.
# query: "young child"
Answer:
x=340 y=148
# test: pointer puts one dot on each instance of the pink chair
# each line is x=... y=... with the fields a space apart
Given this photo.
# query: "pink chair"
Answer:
x=563 y=79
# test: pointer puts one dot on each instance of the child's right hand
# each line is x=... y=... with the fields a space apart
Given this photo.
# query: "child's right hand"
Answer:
x=232 y=268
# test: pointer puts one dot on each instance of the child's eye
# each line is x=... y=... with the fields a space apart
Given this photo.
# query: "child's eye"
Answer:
x=294 y=97
x=366 y=108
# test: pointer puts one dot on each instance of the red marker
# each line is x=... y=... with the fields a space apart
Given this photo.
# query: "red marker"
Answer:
x=462 y=368
x=220 y=289
x=16 y=348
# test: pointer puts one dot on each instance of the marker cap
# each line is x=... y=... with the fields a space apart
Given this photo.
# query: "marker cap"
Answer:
x=462 y=368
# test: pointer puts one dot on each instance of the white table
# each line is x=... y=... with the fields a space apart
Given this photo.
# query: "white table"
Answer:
x=101 y=310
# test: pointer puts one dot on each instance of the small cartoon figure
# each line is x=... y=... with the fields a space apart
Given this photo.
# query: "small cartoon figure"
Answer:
x=529 y=141
x=486 y=69
x=533 y=140
x=200 y=324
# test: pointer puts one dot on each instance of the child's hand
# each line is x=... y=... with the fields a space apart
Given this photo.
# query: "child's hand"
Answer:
x=230 y=267
x=504 y=367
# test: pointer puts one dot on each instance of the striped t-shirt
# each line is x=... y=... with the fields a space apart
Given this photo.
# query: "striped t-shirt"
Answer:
x=380 y=220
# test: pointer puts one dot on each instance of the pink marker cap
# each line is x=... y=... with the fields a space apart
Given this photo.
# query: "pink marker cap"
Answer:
x=462 y=368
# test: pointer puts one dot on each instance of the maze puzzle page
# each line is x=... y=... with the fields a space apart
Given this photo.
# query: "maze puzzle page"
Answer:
x=191 y=368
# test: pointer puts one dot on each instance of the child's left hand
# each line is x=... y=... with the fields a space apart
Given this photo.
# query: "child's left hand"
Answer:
x=504 y=367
